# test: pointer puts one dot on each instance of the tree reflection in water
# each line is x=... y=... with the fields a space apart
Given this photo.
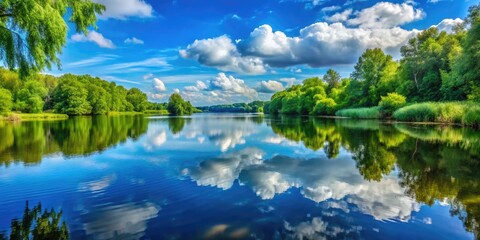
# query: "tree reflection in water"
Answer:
x=435 y=163
x=38 y=225
x=29 y=142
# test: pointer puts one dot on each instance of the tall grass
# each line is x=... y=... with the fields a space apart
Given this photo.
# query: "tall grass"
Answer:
x=466 y=113
x=13 y=117
x=360 y=113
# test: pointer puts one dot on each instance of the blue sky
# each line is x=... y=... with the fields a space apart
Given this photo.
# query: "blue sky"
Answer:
x=218 y=51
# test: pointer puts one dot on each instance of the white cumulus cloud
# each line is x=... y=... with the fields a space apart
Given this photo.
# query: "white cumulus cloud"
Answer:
x=123 y=9
x=133 y=40
x=270 y=86
x=94 y=37
x=221 y=53
x=386 y=15
x=159 y=85
x=447 y=25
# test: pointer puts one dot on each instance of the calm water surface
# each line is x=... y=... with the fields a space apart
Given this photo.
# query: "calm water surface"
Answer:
x=244 y=177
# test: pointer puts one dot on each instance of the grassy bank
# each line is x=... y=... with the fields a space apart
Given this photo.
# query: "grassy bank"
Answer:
x=32 y=116
x=156 y=112
x=360 y=113
x=123 y=113
x=465 y=113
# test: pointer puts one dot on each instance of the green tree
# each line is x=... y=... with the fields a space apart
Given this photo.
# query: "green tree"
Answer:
x=332 y=78
x=138 y=99
x=33 y=32
x=30 y=98
x=177 y=106
x=468 y=67
x=374 y=68
x=70 y=97
x=427 y=59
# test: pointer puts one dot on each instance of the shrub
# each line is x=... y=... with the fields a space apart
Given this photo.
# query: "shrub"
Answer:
x=360 y=113
x=326 y=106
x=391 y=103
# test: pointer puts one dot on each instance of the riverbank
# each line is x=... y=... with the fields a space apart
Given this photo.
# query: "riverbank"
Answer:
x=460 y=113
x=15 y=117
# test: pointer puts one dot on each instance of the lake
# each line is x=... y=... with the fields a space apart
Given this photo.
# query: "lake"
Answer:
x=243 y=176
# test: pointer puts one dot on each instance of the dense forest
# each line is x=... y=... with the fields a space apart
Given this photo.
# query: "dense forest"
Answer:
x=435 y=66
x=253 y=107
x=70 y=94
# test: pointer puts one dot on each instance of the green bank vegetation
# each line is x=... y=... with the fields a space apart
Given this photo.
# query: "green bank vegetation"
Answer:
x=253 y=107
x=436 y=80
x=32 y=97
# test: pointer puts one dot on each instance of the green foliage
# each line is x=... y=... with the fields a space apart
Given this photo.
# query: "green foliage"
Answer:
x=391 y=103
x=72 y=95
x=332 y=78
x=138 y=99
x=472 y=116
x=375 y=70
x=360 y=113
x=178 y=107
x=426 y=66
x=446 y=112
x=75 y=136
x=253 y=107
x=326 y=106
x=29 y=98
x=6 y=100
x=38 y=224
x=34 y=32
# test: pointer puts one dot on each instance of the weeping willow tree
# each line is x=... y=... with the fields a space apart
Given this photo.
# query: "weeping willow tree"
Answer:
x=33 y=32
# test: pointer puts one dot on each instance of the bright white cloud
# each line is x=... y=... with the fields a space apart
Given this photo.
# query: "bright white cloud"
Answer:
x=123 y=9
x=340 y=16
x=94 y=37
x=386 y=15
x=318 y=45
x=270 y=86
x=447 y=25
x=221 y=53
x=133 y=40
x=159 y=85
x=220 y=89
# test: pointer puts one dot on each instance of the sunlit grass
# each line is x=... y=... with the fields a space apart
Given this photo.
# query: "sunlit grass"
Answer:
x=156 y=112
x=123 y=113
x=466 y=113
x=32 y=116
x=360 y=113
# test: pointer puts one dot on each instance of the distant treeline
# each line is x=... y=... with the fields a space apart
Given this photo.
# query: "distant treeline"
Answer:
x=253 y=107
x=69 y=94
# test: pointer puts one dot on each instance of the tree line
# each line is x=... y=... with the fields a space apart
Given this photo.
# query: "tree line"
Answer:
x=435 y=66
x=69 y=94
x=253 y=107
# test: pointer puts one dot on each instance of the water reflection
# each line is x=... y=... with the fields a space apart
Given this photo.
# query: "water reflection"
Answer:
x=29 y=142
x=123 y=221
x=247 y=176
x=319 y=179
x=37 y=223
